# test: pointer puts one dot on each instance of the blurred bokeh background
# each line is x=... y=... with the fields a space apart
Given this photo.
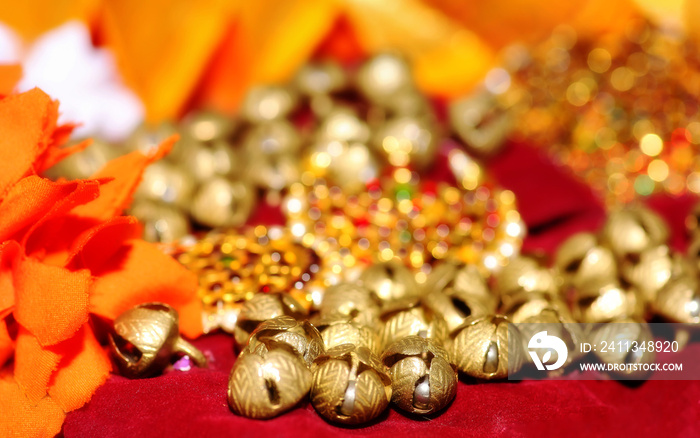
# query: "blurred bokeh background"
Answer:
x=114 y=63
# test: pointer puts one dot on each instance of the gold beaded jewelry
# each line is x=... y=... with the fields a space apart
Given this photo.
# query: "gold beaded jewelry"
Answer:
x=232 y=266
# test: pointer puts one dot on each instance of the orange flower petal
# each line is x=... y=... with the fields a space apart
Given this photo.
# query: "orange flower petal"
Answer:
x=7 y=345
x=20 y=418
x=55 y=154
x=140 y=273
x=51 y=302
x=8 y=256
x=162 y=46
x=285 y=35
x=126 y=171
x=93 y=248
x=84 y=367
x=34 y=198
x=34 y=365
x=9 y=76
x=27 y=122
x=31 y=18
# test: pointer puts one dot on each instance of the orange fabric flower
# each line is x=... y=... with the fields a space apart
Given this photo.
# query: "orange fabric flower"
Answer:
x=66 y=252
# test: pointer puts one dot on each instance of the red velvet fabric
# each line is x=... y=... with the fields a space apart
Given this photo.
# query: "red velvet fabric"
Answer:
x=554 y=205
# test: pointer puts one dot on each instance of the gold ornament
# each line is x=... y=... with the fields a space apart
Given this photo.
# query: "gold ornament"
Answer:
x=349 y=301
x=267 y=103
x=412 y=321
x=234 y=265
x=584 y=263
x=389 y=282
x=145 y=339
x=166 y=183
x=301 y=336
x=268 y=382
x=679 y=301
x=384 y=76
x=207 y=127
x=455 y=305
x=481 y=348
x=84 y=164
x=407 y=141
x=340 y=332
x=525 y=274
x=630 y=231
x=625 y=331
x=320 y=78
x=524 y=306
x=423 y=380
x=222 y=203
x=650 y=272
x=351 y=165
x=261 y=307
x=481 y=122
x=608 y=303
x=556 y=322
x=350 y=385
x=343 y=124
x=161 y=222
x=453 y=277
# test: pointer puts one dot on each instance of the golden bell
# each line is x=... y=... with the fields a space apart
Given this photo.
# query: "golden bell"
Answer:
x=384 y=76
x=480 y=123
x=349 y=165
x=389 y=282
x=583 y=262
x=161 y=222
x=524 y=306
x=555 y=323
x=629 y=232
x=301 y=336
x=350 y=385
x=480 y=348
x=86 y=163
x=408 y=102
x=279 y=137
x=461 y=279
x=204 y=162
x=147 y=138
x=261 y=307
x=525 y=274
x=207 y=127
x=145 y=339
x=166 y=183
x=412 y=321
x=423 y=380
x=454 y=306
x=338 y=332
x=220 y=203
x=608 y=303
x=625 y=331
x=349 y=301
x=679 y=301
x=343 y=124
x=320 y=78
x=407 y=140
x=267 y=383
x=650 y=272
x=266 y=103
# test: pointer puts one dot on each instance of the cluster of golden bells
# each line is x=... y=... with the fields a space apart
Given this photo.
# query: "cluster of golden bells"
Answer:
x=384 y=338
x=379 y=288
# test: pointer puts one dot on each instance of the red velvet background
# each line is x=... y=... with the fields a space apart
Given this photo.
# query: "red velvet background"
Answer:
x=554 y=205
